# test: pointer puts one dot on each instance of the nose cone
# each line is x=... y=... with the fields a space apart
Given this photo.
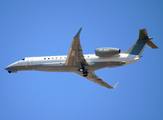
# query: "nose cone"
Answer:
x=12 y=66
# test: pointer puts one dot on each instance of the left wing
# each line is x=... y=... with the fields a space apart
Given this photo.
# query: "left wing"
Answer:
x=75 y=56
x=94 y=78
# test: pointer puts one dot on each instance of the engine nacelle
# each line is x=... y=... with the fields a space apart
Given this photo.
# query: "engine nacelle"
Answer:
x=106 y=52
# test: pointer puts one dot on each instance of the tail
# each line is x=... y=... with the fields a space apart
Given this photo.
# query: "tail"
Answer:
x=138 y=47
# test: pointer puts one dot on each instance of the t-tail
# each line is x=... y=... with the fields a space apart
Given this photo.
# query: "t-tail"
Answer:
x=143 y=40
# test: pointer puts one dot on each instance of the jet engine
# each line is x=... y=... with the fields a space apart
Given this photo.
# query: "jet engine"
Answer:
x=106 y=52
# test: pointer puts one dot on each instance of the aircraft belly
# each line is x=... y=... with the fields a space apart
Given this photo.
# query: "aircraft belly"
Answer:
x=22 y=67
x=56 y=69
x=62 y=68
x=91 y=67
x=99 y=65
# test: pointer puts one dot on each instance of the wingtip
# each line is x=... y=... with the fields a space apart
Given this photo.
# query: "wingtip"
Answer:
x=78 y=33
x=115 y=85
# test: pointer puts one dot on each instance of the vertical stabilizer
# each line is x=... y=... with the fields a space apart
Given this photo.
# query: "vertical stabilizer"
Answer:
x=138 y=47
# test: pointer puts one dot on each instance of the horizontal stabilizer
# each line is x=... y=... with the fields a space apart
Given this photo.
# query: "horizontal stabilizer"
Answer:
x=151 y=45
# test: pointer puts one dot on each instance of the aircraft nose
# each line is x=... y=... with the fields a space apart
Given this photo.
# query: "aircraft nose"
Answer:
x=11 y=66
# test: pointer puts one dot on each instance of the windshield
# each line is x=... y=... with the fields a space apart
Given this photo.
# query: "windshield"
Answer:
x=23 y=59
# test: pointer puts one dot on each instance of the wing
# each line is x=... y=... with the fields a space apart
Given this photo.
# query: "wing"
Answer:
x=75 y=56
x=94 y=78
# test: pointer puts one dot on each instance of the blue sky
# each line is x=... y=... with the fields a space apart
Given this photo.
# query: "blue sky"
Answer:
x=46 y=28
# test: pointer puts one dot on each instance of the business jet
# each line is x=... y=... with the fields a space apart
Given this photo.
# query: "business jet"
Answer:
x=85 y=65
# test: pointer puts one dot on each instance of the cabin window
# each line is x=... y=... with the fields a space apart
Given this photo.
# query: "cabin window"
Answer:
x=65 y=57
x=60 y=57
x=52 y=58
x=44 y=58
x=23 y=59
x=48 y=58
x=56 y=58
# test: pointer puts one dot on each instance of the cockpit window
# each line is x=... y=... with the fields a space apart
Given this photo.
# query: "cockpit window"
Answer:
x=23 y=59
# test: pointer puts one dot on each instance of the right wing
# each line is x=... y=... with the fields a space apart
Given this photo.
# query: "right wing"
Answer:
x=94 y=78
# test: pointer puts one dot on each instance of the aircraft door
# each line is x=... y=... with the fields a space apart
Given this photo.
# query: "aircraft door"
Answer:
x=30 y=61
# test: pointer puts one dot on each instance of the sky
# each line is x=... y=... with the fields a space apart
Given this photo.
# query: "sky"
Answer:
x=30 y=28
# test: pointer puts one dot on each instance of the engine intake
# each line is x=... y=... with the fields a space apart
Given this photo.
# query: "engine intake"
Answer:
x=106 y=52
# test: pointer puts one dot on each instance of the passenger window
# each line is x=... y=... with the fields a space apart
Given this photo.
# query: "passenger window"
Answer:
x=44 y=58
x=60 y=57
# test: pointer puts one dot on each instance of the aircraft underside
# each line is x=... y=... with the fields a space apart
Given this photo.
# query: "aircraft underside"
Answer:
x=62 y=68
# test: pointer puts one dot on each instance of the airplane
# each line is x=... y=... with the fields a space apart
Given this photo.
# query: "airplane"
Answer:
x=85 y=65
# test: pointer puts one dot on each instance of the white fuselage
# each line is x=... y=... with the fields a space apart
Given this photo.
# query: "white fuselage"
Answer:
x=56 y=63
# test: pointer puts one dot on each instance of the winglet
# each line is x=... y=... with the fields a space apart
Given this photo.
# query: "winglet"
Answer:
x=78 y=33
x=115 y=85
